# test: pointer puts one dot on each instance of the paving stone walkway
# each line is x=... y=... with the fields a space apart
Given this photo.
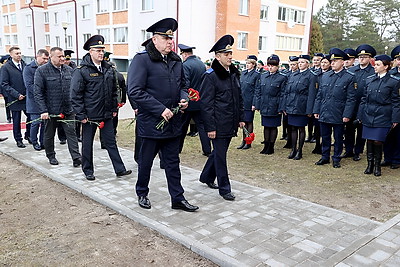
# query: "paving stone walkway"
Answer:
x=260 y=228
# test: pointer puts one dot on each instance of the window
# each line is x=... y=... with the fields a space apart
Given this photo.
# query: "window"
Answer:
x=264 y=13
x=15 y=39
x=85 y=11
x=1 y=42
x=120 y=35
x=58 y=41
x=147 y=5
x=8 y=39
x=46 y=17
x=120 y=4
x=5 y=2
x=69 y=41
x=289 y=14
x=86 y=36
x=262 y=43
x=28 y=20
x=11 y=1
x=242 y=40
x=5 y=20
x=68 y=16
x=146 y=35
x=289 y=43
x=244 y=7
x=47 y=39
x=106 y=34
x=102 y=6
x=13 y=19
x=30 y=43
x=56 y=18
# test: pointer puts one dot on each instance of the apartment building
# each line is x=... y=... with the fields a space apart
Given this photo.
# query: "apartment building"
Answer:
x=260 y=27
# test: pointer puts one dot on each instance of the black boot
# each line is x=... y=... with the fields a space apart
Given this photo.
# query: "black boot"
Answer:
x=299 y=154
x=370 y=158
x=317 y=149
x=292 y=153
x=271 y=149
x=241 y=145
x=377 y=159
x=266 y=148
x=246 y=146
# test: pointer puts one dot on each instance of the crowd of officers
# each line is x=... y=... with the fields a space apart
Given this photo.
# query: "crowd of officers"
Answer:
x=357 y=104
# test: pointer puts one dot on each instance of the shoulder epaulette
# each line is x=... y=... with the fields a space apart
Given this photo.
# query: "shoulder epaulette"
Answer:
x=313 y=72
x=370 y=76
x=78 y=67
x=210 y=70
x=395 y=77
x=351 y=73
x=283 y=73
x=142 y=52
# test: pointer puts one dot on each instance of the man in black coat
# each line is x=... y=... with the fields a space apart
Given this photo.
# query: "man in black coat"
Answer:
x=222 y=111
x=156 y=83
x=52 y=94
x=193 y=69
x=94 y=100
x=13 y=84
x=3 y=61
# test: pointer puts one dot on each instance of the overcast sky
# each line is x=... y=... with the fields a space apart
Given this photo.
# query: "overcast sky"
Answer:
x=318 y=4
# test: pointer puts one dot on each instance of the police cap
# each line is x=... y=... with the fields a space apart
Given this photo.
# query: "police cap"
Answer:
x=107 y=56
x=327 y=57
x=4 y=59
x=318 y=55
x=350 y=52
x=68 y=53
x=224 y=44
x=164 y=27
x=261 y=62
x=273 y=57
x=395 y=52
x=293 y=58
x=185 y=48
x=383 y=57
x=305 y=57
x=96 y=41
x=252 y=57
x=366 y=49
x=336 y=53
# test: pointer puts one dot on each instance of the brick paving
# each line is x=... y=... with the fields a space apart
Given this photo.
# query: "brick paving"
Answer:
x=260 y=228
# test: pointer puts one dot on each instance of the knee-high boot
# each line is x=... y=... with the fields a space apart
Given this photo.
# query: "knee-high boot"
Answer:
x=266 y=147
x=377 y=159
x=370 y=158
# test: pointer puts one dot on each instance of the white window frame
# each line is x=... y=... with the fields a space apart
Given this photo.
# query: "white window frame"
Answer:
x=119 y=5
x=105 y=32
x=147 y=5
x=58 y=41
x=6 y=20
x=86 y=36
x=103 y=6
x=68 y=16
x=7 y=39
x=14 y=39
x=86 y=12
x=287 y=14
x=29 y=42
x=55 y=15
x=28 y=20
x=289 y=43
x=244 y=7
x=46 y=17
x=243 y=37
x=264 y=10
x=116 y=31
x=1 y=42
x=47 y=40
x=70 y=41
x=146 y=35
x=13 y=19
x=262 y=43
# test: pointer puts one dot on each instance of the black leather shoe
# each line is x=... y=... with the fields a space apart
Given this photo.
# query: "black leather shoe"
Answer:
x=184 y=205
x=76 y=162
x=246 y=146
x=347 y=155
x=53 y=161
x=37 y=147
x=385 y=164
x=27 y=138
x=206 y=154
x=2 y=139
x=322 y=162
x=63 y=142
x=356 y=157
x=212 y=185
x=144 y=202
x=229 y=196
x=395 y=166
x=20 y=144
x=123 y=173
x=336 y=164
x=90 y=177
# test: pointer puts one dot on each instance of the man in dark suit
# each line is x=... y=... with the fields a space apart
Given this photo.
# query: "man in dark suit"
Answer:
x=13 y=84
x=156 y=83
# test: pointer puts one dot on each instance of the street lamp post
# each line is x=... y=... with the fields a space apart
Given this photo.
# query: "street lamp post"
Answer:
x=65 y=27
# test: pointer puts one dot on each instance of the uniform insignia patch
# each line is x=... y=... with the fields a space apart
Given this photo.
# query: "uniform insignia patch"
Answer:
x=316 y=85
x=355 y=86
x=93 y=74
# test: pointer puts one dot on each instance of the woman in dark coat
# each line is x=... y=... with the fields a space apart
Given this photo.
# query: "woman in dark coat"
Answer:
x=267 y=99
x=379 y=111
x=248 y=81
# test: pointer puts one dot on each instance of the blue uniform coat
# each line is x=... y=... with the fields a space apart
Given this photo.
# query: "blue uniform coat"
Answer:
x=269 y=92
x=29 y=75
x=360 y=76
x=248 y=81
x=155 y=85
x=336 y=97
x=193 y=69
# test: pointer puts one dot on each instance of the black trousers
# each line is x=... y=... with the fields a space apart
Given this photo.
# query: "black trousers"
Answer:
x=216 y=166
x=88 y=132
x=50 y=127
x=353 y=142
x=16 y=116
x=170 y=150
x=204 y=140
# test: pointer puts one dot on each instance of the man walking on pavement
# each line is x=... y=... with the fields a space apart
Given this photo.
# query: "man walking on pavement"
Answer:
x=52 y=94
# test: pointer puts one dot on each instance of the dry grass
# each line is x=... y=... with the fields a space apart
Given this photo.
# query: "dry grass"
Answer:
x=346 y=188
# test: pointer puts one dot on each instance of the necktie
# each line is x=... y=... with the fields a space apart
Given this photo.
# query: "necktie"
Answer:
x=100 y=68
x=19 y=66
x=165 y=58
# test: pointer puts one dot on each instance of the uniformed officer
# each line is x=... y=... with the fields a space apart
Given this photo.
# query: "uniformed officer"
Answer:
x=379 y=111
x=68 y=55
x=222 y=111
x=286 y=129
x=150 y=86
x=267 y=99
x=391 y=147
x=316 y=61
x=334 y=105
x=260 y=66
x=194 y=69
x=297 y=103
x=352 y=54
x=354 y=143
x=94 y=100
x=248 y=80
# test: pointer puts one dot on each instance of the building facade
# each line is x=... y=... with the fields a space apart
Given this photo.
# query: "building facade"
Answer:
x=260 y=27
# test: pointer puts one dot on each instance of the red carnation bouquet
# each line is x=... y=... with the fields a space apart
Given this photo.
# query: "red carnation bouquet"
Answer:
x=61 y=116
x=193 y=95
x=249 y=136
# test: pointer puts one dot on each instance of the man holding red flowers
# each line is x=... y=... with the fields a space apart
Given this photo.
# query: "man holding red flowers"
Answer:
x=52 y=95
